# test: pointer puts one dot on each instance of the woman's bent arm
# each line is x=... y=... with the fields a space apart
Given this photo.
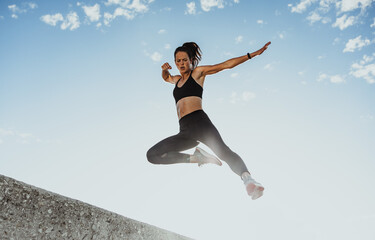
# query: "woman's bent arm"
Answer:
x=165 y=73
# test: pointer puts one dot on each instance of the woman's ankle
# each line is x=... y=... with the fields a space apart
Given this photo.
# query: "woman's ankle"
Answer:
x=245 y=175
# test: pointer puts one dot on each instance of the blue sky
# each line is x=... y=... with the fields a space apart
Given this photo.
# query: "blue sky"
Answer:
x=82 y=100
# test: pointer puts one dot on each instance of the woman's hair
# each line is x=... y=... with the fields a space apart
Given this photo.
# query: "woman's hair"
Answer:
x=193 y=51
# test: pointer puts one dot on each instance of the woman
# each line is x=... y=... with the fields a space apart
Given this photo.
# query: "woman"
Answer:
x=195 y=126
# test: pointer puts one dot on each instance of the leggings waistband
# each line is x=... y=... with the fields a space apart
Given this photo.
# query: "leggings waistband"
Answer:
x=190 y=116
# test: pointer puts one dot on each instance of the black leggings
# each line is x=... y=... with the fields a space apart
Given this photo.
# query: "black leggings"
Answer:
x=194 y=128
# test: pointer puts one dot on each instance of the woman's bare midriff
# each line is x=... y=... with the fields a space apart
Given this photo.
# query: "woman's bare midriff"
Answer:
x=188 y=105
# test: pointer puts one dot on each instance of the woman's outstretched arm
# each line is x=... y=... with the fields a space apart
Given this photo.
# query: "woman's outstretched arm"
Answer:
x=231 y=63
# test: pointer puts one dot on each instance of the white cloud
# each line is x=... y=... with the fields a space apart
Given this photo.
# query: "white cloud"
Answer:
x=13 y=8
x=344 y=22
x=208 y=4
x=167 y=9
x=234 y=75
x=364 y=70
x=129 y=15
x=245 y=96
x=367 y=59
x=260 y=21
x=325 y=20
x=320 y=11
x=167 y=46
x=281 y=35
x=161 y=31
x=324 y=5
x=25 y=135
x=239 y=39
x=156 y=57
x=373 y=25
x=32 y=5
x=236 y=1
x=19 y=10
x=128 y=9
x=314 y=17
x=336 y=41
x=92 y=12
x=124 y=12
x=333 y=79
x=356 y=43
x=337 y=79
x=350 y=5
x=138 y=6
x=71 y=21
x=1 y=17
x=116 y=2
x=302 y=6
x=268 y=67
x=19 y=137
x=52 y=19
x=367 y=117
x=108 y=18
x=4 y=132
x=191 y=9
x=322 y=77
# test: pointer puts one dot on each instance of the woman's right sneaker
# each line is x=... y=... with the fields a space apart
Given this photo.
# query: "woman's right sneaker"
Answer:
x=253 y=188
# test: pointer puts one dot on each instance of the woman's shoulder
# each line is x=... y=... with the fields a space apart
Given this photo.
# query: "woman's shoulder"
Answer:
x=197 y=74
x=174 y=79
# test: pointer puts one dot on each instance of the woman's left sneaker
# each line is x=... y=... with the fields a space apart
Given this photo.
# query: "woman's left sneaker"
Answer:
x=204 y=157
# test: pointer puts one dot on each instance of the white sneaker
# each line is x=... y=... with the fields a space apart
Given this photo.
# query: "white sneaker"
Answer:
x=204 y=157
x=253 y=188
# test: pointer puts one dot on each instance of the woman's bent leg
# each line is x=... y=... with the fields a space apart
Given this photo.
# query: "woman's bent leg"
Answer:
x=168 y=150
x=211 y=137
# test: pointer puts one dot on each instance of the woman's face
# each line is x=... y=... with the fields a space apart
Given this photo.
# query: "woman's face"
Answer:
x=183 y=62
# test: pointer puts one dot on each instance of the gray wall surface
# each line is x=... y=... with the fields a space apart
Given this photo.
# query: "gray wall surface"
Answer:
x=27 y=212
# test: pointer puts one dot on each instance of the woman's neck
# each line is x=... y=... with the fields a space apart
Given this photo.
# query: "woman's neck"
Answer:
x=186 y=75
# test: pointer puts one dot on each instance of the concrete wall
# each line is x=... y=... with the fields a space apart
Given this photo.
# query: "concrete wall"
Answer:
x=27 y=212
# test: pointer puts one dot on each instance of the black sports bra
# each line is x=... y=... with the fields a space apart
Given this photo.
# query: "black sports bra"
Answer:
x=190 y=88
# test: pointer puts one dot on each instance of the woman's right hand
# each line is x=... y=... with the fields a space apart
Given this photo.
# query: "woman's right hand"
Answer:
x=166 y=66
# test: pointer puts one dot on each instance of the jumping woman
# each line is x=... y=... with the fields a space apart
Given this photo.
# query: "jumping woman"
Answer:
x=195 y=126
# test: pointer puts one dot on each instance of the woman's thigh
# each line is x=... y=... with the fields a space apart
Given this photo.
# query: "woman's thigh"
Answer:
x=175 y=143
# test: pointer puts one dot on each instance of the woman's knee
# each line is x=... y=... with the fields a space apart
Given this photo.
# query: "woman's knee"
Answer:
x=152 y=156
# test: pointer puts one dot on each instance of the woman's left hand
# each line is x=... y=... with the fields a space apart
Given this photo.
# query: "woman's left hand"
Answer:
x=260 y=51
